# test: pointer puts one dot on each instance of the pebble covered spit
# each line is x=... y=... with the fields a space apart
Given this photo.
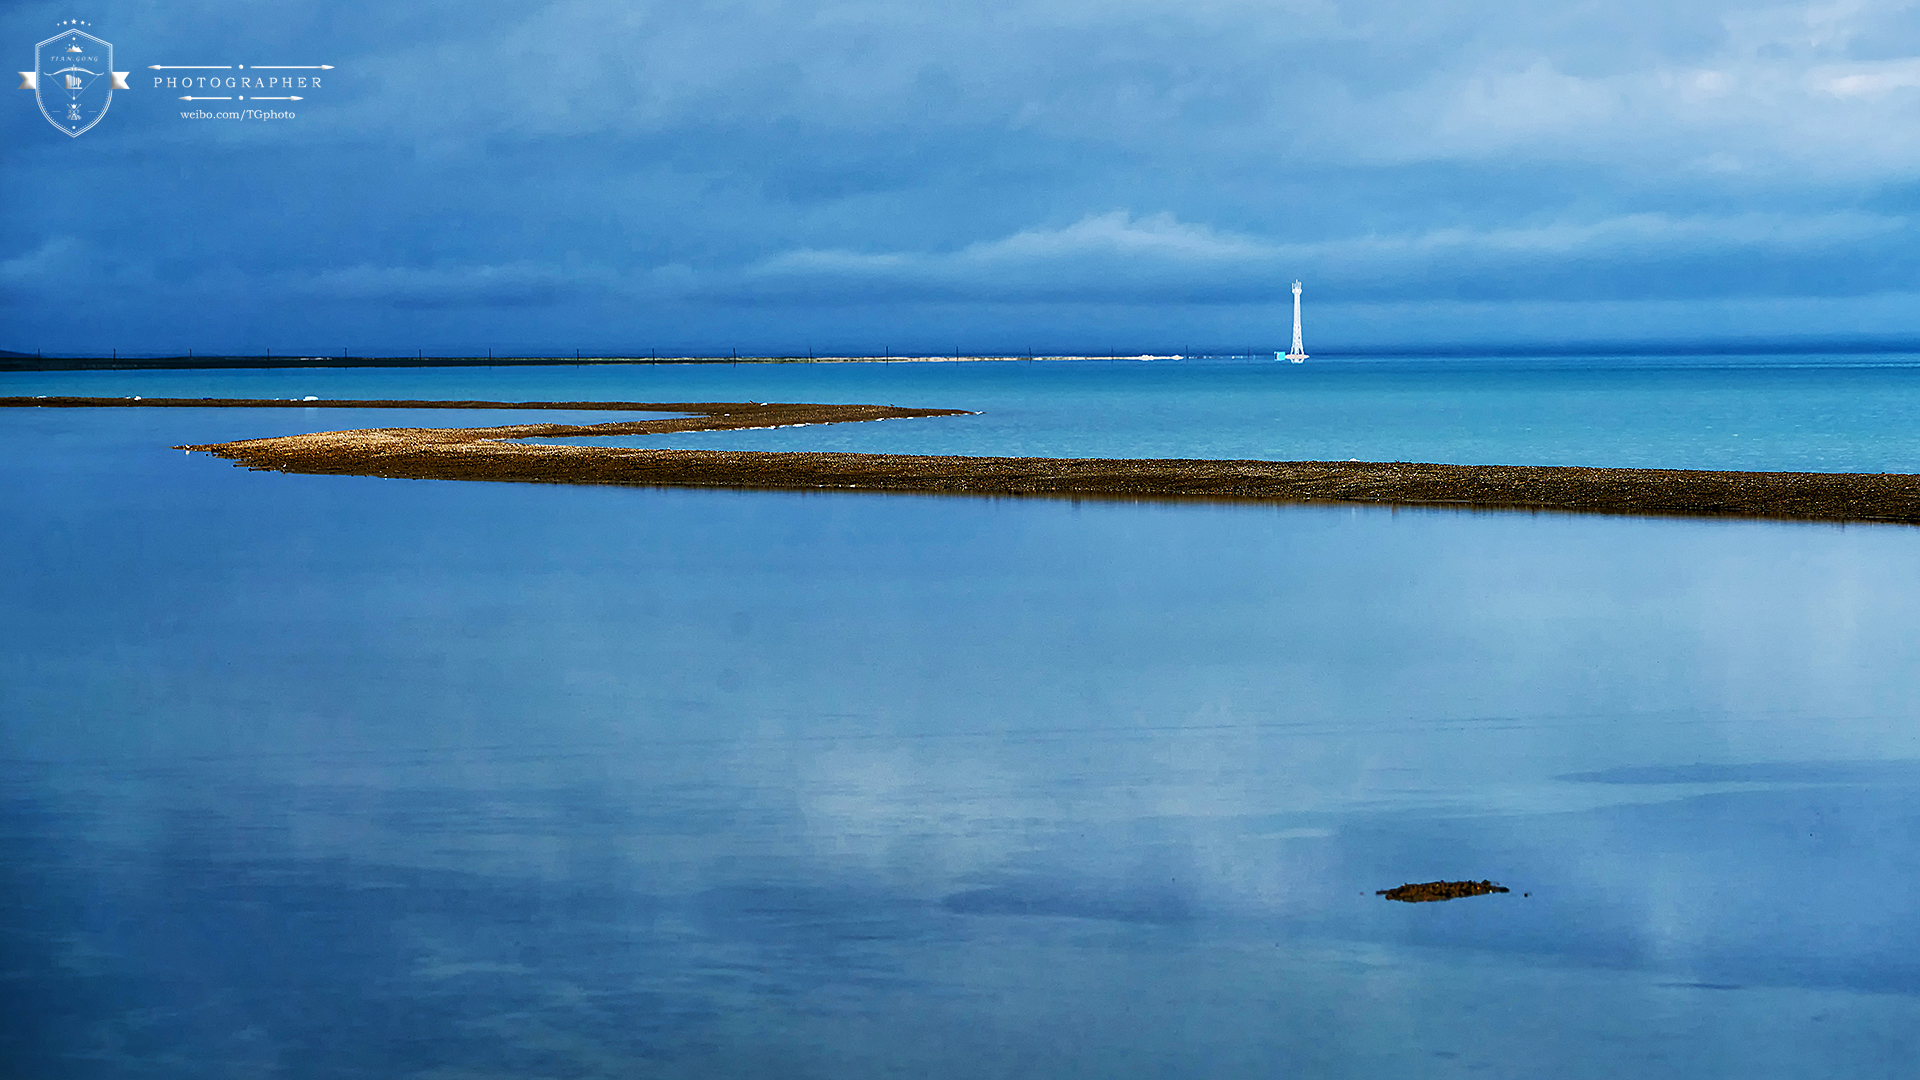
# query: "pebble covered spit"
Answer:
x=487 y=453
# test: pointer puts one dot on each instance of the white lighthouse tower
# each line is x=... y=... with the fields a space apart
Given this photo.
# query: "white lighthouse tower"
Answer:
x=1299 y=350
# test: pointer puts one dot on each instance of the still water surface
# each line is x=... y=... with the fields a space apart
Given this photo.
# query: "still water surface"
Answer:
x=337 y=776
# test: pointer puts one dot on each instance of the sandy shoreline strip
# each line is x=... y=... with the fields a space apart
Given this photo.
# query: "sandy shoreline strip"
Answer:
x=479 y=454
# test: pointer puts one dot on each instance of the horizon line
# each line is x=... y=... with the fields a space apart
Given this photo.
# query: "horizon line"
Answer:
x=1856 y=345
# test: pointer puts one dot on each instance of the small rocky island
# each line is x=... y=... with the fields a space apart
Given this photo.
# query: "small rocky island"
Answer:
x=1439 y=890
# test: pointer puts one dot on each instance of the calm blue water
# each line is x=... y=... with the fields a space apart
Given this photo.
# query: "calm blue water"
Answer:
x=339 y=777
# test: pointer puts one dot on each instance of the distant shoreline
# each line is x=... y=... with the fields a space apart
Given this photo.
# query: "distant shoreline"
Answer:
x=1859 y=347
x=486 y=454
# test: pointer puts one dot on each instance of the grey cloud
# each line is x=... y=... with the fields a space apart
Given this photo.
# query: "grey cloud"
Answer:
x=520 y=284
x=1157 y=258
x=55 y=260
x=1778 y=87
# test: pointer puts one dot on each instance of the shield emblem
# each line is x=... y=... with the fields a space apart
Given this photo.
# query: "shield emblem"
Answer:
x=74 y=80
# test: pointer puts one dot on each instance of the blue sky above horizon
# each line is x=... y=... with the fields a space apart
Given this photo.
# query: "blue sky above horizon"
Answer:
x=1039 y=174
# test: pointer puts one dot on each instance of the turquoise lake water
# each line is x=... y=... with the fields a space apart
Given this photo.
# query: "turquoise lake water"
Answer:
x=341 y=776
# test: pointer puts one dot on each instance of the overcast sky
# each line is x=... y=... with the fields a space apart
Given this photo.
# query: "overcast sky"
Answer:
x=993 y=175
